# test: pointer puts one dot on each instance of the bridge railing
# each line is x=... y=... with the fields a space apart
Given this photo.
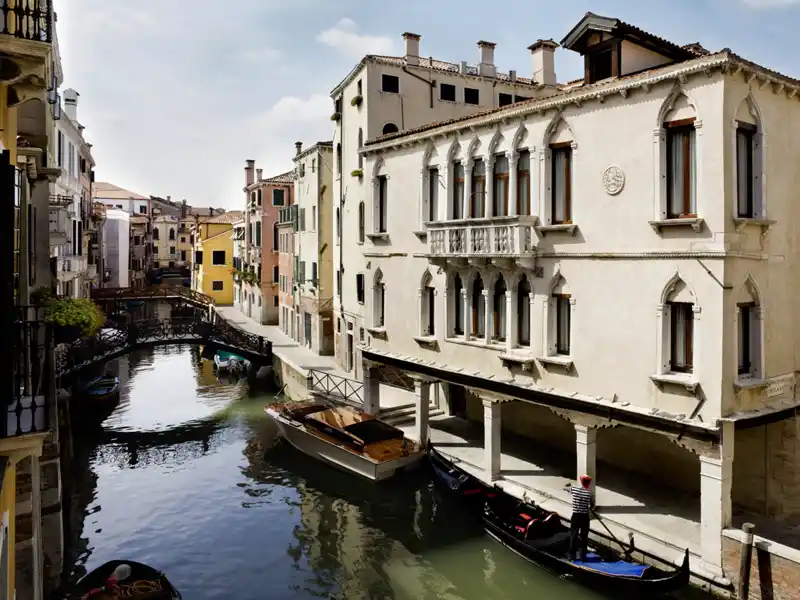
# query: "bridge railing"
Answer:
x=336 y=386
x=152 y=292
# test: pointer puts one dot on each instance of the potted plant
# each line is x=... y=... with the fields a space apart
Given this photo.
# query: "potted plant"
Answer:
x=73 y=318
x=357 y=100
x=357 y=173
x=336 y=116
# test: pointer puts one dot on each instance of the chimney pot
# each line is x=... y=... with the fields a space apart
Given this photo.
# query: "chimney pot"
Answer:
x=486 y=67
x=71 y=103
x=412 y=47
x=543 y=57
x=298 y=148
x=249 y=173
x=258 y=174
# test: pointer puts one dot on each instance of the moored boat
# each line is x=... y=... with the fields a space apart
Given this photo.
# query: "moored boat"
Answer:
x=125 y=579
x=457 y=481
x=232 y=363
x=102 y=388
x=542 y=537
x=345 y=437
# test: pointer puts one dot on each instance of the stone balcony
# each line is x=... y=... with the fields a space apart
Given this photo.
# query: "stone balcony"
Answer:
x=493 y=239
x=60 y=225
x=70 y=267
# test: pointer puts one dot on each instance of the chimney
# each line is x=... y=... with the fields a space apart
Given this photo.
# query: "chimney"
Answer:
x=259 y=172
x=298 y=148
x=544 y=66
x=71 y=104
x=169 y=198
x=249 y=172
x=486 y=67
x=412 y=48
x=210 y=212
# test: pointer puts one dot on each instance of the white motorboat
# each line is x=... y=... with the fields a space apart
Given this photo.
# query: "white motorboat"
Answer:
x=231 y=363
x=346 y=438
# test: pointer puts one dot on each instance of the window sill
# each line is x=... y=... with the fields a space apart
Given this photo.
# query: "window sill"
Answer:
x=749 y=383
x=377 y=332
x=524 y=358
x=422 y=234
x=425 y=340
x=475 y=343
x=558 y=360
x=568 y=228
x=685 y=380
x=378 y=236
x=695 y=223
x=741 y=222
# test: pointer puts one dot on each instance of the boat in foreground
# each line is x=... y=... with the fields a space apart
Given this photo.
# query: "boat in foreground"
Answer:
x=345 y=437
x=542 y=537
x=102 y=388
x=457 y=481
x=231 y=363
x=125 y=579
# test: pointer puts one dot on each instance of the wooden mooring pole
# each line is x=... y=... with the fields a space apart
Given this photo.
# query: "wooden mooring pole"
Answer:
x=745 y=556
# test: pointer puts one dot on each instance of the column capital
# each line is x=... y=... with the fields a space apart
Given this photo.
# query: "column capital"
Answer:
x=491 y=398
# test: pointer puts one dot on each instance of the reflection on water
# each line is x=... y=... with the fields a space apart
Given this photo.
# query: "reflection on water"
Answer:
x=185 y=476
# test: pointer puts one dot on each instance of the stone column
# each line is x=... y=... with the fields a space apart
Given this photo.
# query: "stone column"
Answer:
x=716 y=479
x=488 y=314
x=465 y=298
x=512 y=185
x=371 y=391
x=36 y=524
x=422 y=401
x=511 y=321
x=491 y=439
x=586 y=451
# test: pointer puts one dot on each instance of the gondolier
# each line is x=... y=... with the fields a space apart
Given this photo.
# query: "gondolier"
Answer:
x=582 y=505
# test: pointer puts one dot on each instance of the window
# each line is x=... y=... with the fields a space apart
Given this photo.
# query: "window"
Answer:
x=183 y=255
x=478 y=189
x=142 y=210
x=198 y=257
x=360 y=143
x=259 y=197
x=524 y=312
x=499 y=315
x=359 y=287
x=361 y=222
x=433 y=194
x=428 y=307
x=746 y=322
x=313 y=165
x=458 y=299
x=524 y=183
x=137 y=240
x=218 y=257
x=258 y=234
x=471 y=96
x=478 y=305
x=505 y=99
x=339 y=159
x=171 y=234
x=183 y=239
x=389 y=128
x=314 y=274
x=359 y=87
x=275 y=275
x=447 y=92
x=275 y=235
x=172 y=249
x=681 y=336
x=390 y=83
x=561 y=201
x=563 y=322
x=746 y=178
x=458 y=191
x=379 y=301
x=274 y=301
x=155 y=234
x=600 y=65
x=500 y=199
x=278 y=197
x=520 y=98
x=216 y=286
x=382 y=223
x=681 y=169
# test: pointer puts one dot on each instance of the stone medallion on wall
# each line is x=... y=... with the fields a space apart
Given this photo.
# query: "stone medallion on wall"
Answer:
x=613 y=180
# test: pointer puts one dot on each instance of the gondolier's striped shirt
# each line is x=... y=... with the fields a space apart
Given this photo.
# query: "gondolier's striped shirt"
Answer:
x=582 y=500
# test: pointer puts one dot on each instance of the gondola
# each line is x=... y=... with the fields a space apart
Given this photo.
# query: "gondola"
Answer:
x=114 y=580
x=455 y=480
x=102 y=388
x=542 y=538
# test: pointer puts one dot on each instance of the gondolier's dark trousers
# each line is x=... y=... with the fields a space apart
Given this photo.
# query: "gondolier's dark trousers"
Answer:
x=578 y=535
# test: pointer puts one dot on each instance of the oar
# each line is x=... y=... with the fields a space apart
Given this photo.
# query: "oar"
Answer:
x=613 y=537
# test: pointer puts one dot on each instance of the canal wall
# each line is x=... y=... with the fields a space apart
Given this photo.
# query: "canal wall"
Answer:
x=774 y=568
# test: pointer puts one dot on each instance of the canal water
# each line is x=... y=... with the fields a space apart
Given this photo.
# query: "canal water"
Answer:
x=185 y=475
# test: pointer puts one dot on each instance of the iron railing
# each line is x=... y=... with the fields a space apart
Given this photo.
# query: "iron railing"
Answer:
x=336 y=386
x=33 y=384
x=28 y=20
x=156 y=292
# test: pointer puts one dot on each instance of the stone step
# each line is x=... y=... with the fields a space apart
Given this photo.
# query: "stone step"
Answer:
x=408 y=417
x=394 y=410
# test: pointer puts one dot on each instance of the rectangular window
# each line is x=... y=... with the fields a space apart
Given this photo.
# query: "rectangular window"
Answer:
x=458 y=190
x=360 y=288
x=745 y=171
x=142 y=210
x=681 y=170
x=524 y=183
x=258 y=234
x=681 y=336
x=500 y=199
x=278 y=197
x=314 y=274
x=302 y=219
x=471 y=96
x=477 y=202
x=390 y=83
x=183 y=254
x=447 y=92
x=218 y=257
x=600 y=65
x=433 y=194
x=382 y=222
x=563 y=323
x=313 y=218
x=745 y=338
x=274 y=301
x=520 y=98
x=458 y=301
x=275 y=275
x=172 y=249
x=216 y=286
x=431 y=302
x=505 y=99
x=561 y=200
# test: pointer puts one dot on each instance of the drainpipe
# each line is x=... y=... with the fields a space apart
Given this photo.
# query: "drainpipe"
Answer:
x=431 y=82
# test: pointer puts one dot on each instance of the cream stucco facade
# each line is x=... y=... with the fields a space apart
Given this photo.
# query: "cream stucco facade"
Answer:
x=621 y=251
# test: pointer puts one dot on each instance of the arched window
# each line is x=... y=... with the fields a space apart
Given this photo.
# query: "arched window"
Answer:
x=478 y=304
x=389 y=128
x=749 y=319
x=749 y=161
x=379 y=301
x=677 y=157
x=275 y=236
x=360 y=143
x=524 y=312
x=559 y=318
x=458 y=306
x=558 y=171
x=361 y=222
x=678 y=307
x=427 y=296
x=499 y=315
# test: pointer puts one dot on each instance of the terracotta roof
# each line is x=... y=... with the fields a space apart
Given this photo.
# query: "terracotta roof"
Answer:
x=103 y=189
x=231 y=216
x=139 y=219
x=312 y=148
x=287 y=177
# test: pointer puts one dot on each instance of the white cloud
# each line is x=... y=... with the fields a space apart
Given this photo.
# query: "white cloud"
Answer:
x=770 y=3
x=291 y=109
x=345 y=38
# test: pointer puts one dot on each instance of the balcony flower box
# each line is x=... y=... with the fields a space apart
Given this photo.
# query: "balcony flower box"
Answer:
x=336 y=116
x=356 y=100
x=357 y=173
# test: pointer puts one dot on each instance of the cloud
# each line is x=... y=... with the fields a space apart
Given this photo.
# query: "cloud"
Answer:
x=764 y=4
x=345 y=38
x=291 y=109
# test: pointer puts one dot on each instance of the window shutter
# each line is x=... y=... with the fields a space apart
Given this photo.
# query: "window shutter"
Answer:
x=302 y=271
x=302 y=219
x=314 y=274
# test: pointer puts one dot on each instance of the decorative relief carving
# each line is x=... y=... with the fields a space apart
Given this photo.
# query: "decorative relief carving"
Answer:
x=613 y=180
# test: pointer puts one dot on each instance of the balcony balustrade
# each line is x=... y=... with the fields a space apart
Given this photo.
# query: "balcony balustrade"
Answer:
x=29 y=20
x=489 y=238
x=61 y=200
x=60 y=226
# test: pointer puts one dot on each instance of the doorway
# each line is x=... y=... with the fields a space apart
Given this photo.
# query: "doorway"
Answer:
x=457 y=397
x=349 y=366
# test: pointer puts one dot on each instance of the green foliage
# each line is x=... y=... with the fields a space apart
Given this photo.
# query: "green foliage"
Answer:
x=79 y=313
x=357 y=172
x=356 y=100
x=336 y=116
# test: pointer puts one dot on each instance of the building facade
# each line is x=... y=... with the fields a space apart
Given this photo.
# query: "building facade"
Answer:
x=287 y=225
x=117 y=237
x=313 y=248
x=564 y=278
x=213 y=257
x=240 y=299
x=385 y=95
x=141 y=250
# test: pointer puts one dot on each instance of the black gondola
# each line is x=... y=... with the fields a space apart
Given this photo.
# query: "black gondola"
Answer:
x=542 y=538
x=139 y=581
x=455 y=480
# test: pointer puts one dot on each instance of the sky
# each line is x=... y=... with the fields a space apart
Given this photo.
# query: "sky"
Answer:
x=175 y=95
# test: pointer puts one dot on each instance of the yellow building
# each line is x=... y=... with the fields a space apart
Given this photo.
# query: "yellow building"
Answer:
x=212 y=271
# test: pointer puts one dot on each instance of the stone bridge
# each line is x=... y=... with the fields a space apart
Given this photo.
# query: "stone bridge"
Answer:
x=106 y=296
x=110 y=343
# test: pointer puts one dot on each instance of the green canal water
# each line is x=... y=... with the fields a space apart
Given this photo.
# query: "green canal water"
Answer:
x=185 y=475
